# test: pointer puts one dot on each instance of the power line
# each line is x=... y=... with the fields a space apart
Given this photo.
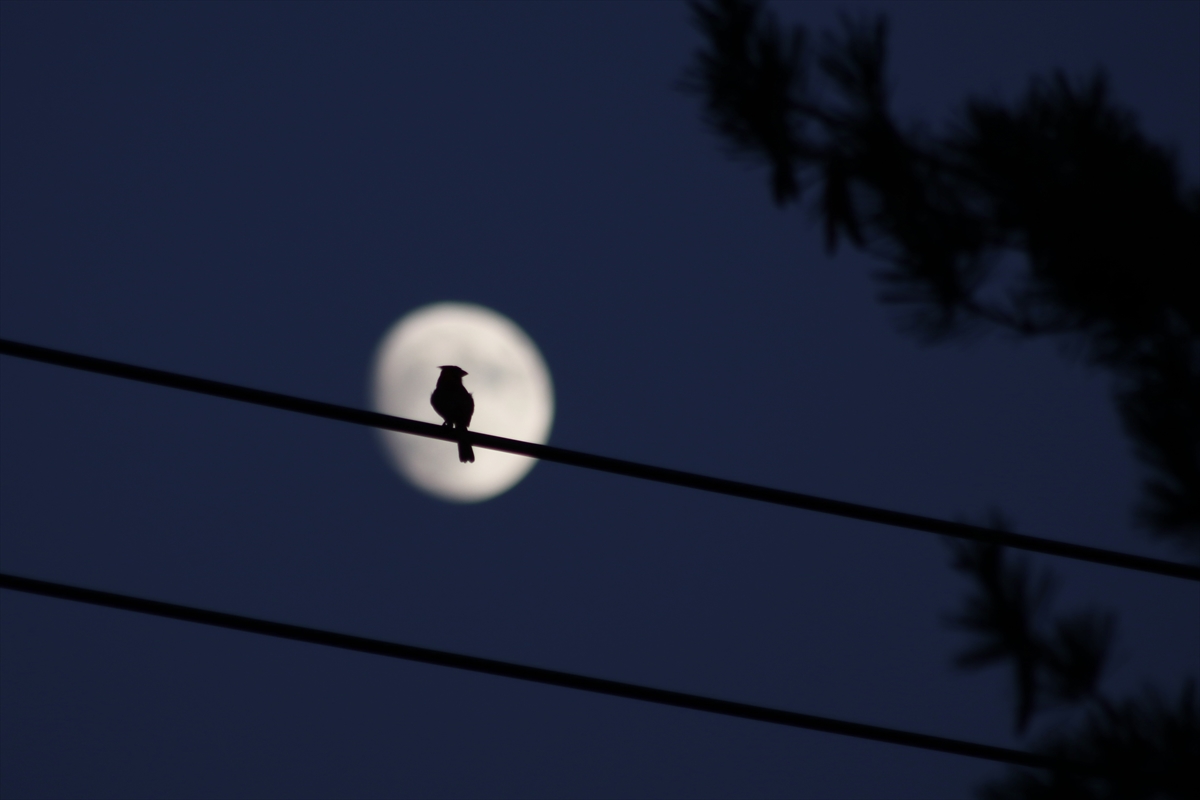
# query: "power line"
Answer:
x=534 y=674
x=960 y=530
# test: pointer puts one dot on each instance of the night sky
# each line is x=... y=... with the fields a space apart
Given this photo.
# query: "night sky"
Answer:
x=255 y=192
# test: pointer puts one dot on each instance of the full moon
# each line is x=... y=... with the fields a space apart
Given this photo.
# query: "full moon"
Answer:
x=506 y=375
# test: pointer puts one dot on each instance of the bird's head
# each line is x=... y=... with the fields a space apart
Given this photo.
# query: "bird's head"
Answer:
x=452 y=370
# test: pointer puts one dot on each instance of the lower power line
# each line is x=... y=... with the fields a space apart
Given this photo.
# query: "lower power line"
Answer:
x=535 y=674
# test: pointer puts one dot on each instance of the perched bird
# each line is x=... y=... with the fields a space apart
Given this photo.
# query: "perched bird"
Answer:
x=453 y=403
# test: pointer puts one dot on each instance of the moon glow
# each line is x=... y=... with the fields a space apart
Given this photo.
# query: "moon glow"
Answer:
x=514 y=396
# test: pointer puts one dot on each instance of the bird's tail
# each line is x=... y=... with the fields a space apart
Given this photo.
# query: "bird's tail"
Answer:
x=465 y=452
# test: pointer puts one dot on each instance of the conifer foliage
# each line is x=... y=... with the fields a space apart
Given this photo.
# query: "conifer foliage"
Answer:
x=1051 y=216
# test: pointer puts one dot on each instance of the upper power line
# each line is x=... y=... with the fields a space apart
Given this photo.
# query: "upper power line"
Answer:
x=552 y=677
x=960 y=530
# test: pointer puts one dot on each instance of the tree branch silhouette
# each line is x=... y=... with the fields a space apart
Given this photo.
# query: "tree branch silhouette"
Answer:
x=1107 y=241
x=1061 y=182
x=1054 y=663
x=1144 y=746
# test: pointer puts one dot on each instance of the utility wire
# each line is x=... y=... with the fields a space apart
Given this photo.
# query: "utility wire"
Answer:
x=960 y=530
x=552 y=677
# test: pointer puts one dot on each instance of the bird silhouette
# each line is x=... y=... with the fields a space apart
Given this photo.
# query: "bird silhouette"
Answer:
x=454 y=404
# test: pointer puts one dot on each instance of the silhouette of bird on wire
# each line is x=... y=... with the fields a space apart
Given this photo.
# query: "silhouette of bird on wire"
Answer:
x=454 y=404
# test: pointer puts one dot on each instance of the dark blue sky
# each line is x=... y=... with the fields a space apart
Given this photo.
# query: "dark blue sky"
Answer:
x=255 y=192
